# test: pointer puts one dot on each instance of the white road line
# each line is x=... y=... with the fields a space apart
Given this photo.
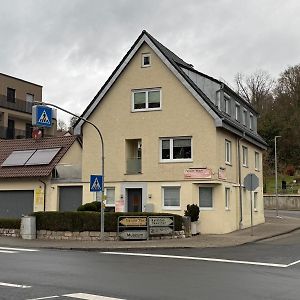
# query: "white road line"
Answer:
x=7 y=251
x=201 y=259
x=49 y=297
x=90 y=297
x=294 y=263
x=21 y=286
x=19 y=249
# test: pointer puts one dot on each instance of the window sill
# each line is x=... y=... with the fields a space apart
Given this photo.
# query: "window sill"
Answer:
x=257 y=170
x=228 y=164
x=146 y=109
x=171 y=208
x=245 y=166
x=206 y=209
x=146 y=66
x=255 y=210
x=227 y=209
x=139 y=173
x=176 y=161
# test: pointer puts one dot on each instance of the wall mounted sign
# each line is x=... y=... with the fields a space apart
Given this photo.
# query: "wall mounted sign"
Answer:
x=198 y=173
x=222 y=173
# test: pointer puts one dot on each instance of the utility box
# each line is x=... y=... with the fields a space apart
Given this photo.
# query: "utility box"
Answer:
x=28 y=228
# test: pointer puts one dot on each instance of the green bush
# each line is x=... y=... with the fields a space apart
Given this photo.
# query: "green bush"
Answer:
x=92 y=206
x=88 y=221
x=192 y=210
x=10 y=223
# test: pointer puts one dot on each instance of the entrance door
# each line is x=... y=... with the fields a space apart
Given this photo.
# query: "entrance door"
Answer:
x=134 y=200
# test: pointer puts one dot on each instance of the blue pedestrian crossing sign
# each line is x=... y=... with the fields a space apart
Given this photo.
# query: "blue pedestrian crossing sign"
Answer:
x=42 y=116
x=96 y=183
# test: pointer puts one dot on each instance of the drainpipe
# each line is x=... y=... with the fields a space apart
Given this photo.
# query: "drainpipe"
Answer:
x=240 y=182
x=45 y=186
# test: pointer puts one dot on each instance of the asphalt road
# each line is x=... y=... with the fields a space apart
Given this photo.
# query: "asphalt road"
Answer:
x=283 y=213
x=264 y=270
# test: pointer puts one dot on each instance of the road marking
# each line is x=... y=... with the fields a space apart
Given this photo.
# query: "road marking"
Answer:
x=90 y=297
x=6 y=251
x=49 y=297
x=294 y=263
x=18 y=249
x=201 y=259
x=15 y=285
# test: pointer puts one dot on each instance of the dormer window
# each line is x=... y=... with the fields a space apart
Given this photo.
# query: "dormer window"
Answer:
x=237 y=112
x=244 y=117
x=227 y=104
x=146 y=60
x=251 y=122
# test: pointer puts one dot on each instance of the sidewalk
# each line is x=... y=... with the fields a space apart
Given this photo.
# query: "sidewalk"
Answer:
x=271 y=228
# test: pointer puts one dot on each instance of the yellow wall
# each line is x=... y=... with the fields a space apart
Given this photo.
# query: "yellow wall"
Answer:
x=180 y=115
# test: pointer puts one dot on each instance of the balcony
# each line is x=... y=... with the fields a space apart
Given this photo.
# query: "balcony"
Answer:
x=66 y=172
x=10 y=133
x=18 y=105
x=134 y=166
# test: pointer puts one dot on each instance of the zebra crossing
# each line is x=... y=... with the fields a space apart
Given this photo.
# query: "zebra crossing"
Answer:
x=9 y=250
x=82 y=296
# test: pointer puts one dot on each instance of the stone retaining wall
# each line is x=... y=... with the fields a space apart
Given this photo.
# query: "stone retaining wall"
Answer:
x=94 y=235
x=285 y=202
x=10 y=232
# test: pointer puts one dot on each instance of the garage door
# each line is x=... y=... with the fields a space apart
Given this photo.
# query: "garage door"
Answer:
x=70 y=198
x=14 y=204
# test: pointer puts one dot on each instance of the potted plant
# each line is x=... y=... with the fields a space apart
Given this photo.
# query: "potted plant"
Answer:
x=192 y=211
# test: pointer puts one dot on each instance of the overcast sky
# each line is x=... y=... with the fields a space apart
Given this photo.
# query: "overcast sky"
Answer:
x=72 y=46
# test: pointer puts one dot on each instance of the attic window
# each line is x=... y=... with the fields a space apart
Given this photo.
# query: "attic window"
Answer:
x=146 y=60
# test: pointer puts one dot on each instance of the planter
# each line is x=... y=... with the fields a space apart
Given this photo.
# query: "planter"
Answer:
x=195 y=227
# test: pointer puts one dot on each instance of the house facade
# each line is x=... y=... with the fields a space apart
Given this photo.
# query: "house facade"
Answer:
x=16 y=101
x=40 y=175
x=173 y=136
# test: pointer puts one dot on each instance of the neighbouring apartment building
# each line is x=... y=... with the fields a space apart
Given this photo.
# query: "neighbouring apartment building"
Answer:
x=173 y=136
x=16 y=101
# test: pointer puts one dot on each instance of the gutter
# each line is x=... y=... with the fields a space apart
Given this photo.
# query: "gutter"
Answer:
x=45 y=186
x=240 y=181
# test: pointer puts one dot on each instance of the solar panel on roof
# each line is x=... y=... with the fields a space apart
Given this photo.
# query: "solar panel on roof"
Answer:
x=17 y=158
x=42 y=157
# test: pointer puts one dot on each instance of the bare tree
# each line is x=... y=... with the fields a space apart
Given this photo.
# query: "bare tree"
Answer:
x=256 y=88
x=61 y=125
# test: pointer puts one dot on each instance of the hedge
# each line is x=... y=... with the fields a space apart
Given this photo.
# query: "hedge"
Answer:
x=88 y=221
x=10 y=223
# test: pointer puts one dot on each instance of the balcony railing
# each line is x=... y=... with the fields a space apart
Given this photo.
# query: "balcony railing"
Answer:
x=134 y=166
x=10 y=133
x=18 y=104
x=63 y=171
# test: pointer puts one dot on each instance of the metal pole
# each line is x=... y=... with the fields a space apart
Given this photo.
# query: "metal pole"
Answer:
x=276 y=184
x=102 y=156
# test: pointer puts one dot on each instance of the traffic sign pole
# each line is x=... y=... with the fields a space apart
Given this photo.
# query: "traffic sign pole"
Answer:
x=251 y=207
x=102 y=155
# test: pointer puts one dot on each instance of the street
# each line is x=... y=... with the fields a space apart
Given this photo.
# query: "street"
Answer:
x=264 y=270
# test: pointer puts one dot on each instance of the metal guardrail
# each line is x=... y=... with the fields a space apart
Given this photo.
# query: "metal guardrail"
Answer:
x=10 y=134
x=134 y=166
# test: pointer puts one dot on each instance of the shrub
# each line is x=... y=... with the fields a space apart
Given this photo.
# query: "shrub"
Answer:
x=10 y=223
x=92 y=206
x=192 y=210
x=88 y=221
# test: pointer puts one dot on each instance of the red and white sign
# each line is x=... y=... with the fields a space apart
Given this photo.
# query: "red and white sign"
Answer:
x=201 y=173
x=120 y=205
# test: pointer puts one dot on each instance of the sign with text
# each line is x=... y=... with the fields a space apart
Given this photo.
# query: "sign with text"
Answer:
x=133 y=227
x=161 y=225
x=198 y=173
x=222 y=173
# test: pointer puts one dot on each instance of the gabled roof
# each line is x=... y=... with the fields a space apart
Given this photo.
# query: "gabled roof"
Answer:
x=8 y=146
x=176 y=65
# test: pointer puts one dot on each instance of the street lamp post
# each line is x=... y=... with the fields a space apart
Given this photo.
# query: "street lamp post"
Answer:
x=276 y=184
x=102 y=155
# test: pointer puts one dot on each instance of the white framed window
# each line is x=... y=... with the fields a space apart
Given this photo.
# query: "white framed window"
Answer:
x=245 y=156
x=244 y=117
x=227 y=104
x=171 y=197
x=227 y=152
x=227 y=198
x=206 y=198
x=176 y=149
x=110 y=196
x=255 y=201
x=237 y=112
x=257 y=161
x=143 y=100
x=251 y=124
x=146 y=60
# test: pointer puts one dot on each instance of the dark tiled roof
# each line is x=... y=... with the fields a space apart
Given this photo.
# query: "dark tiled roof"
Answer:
x=8 y=146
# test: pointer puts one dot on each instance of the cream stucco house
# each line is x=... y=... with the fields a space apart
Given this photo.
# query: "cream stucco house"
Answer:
x=173 y=136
